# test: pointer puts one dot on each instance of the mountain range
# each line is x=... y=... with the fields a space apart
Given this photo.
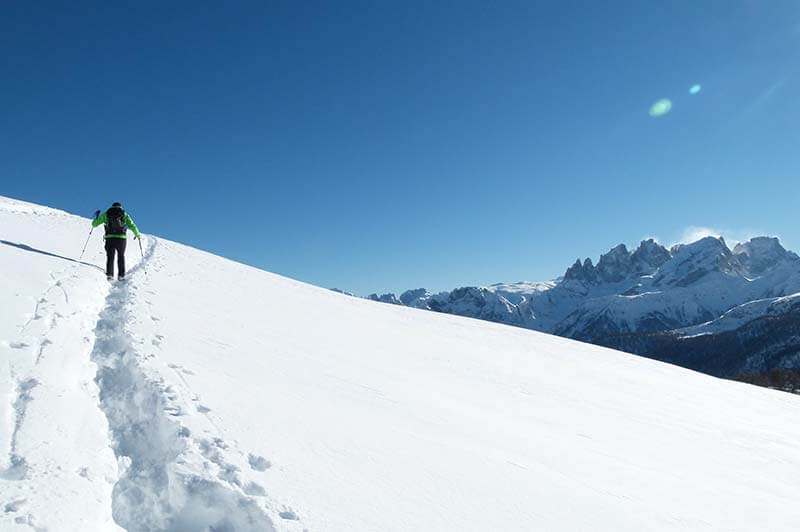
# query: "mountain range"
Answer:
x=726 y=312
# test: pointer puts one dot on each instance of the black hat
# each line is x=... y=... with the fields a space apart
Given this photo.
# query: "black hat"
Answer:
x=116 y=204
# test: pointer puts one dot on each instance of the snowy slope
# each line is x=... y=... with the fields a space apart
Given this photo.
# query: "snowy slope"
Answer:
x=204 y=393
x=56 y=465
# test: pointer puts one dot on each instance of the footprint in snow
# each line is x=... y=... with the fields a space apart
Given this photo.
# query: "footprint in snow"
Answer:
x=229 y=473
x=289 y=515
x=18 y=345
x=203 y=409
x=258 y=463
x=255 y=489
x=211 y=451
x=181 y=369
x=174 y=410
x=14 y=506
x=29 y=520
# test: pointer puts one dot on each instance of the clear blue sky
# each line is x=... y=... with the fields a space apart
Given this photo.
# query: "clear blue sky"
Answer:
x=378 y=146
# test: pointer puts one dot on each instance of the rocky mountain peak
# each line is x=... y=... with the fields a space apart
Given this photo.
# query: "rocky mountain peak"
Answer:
x=692 y=262
x=581 y=272
x=649 y=256
x=760 y=254
x=615 y=265
x=619 y=263
x=409 y=297
x=760 y=245
x=708 y=244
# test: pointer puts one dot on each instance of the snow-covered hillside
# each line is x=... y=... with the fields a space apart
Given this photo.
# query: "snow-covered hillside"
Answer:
x=203 y=394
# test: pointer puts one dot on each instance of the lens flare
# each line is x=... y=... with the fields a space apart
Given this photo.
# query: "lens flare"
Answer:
x=661 y=107
x=695 y=89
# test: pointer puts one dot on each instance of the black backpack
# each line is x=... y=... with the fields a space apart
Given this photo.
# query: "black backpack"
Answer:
x=115 y=221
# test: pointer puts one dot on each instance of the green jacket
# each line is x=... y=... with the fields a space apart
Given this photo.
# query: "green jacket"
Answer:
x=103 y=219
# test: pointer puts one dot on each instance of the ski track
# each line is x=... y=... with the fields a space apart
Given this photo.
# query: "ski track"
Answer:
x=168 y=479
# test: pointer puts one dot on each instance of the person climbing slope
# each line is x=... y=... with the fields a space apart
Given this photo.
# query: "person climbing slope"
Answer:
x=117 y=222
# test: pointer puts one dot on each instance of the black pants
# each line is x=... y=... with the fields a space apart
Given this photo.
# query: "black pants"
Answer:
x=115 y=245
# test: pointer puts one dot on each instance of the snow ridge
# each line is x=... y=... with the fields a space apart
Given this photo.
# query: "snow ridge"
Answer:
x=162 y=485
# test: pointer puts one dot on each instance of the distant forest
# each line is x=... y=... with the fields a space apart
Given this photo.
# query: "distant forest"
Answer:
x=787 y=380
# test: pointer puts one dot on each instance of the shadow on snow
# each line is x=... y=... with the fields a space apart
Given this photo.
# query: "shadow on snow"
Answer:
x=28 y=248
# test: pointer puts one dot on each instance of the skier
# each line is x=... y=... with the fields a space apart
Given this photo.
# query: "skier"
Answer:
x=117 y=222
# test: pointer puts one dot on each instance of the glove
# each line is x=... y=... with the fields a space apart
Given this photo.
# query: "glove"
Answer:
x=96 y=214
x=137 y=237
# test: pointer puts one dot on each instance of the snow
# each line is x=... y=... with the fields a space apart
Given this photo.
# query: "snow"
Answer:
x=205 y=394
x=56 y=466
x=742 y=314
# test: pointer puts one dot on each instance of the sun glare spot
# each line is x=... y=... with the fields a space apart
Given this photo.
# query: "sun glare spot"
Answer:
x=661 y=107
x=695 y=89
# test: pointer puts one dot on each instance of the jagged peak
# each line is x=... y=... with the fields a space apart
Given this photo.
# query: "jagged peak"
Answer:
x=650 y=253
x=760 y=244
x=705 y=244
x=409 y=296
x=384 y=298
x=614 y=265
x=649 y=245
x=619 y=249
x=574 y=272
x=619 y=262
x=761 y=253
x=581 y=271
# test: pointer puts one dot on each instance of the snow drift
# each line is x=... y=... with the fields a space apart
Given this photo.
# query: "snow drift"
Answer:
x=204 y=394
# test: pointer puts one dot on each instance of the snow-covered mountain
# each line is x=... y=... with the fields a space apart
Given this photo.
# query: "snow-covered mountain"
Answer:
x=632 y=297
x=206 y=395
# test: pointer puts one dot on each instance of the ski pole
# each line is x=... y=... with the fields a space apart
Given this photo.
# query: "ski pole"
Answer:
x=142 y=252
x=86 y=244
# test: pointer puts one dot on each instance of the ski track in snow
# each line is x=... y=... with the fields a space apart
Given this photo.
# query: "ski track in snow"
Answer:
x=169 y=480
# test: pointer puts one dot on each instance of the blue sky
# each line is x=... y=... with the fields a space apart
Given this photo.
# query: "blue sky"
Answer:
x=377 y=146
